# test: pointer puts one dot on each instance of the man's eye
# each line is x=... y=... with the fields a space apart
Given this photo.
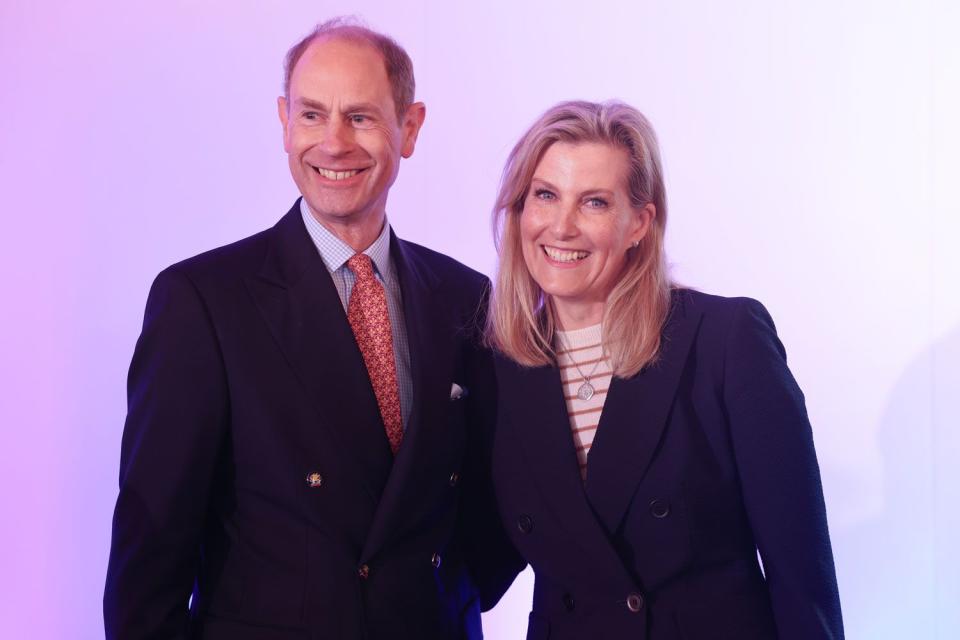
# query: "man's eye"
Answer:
x=311 y=115
x=360 y=120
x=544 y=194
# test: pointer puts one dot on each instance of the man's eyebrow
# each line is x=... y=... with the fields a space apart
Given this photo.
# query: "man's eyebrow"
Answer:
x=360 y=106
x=311 y=104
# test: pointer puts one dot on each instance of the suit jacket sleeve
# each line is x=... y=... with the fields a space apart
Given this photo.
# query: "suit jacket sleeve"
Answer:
x=490 y=556
x=773 y=446
x=176 y=421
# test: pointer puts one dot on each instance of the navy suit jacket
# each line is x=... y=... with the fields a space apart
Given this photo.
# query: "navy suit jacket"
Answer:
x=699 y=461
x=255 y=472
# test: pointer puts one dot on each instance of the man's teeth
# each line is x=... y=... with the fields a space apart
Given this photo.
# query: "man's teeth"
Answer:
x=336 y=175
x=565 y=256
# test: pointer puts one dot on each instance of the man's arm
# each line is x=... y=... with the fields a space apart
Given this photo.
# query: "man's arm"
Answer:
x=176 y=421
x=490 y=556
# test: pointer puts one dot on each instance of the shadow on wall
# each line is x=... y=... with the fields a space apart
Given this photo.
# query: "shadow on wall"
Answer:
x=900 y=568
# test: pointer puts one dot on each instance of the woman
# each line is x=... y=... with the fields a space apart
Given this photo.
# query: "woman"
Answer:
x=650 y=439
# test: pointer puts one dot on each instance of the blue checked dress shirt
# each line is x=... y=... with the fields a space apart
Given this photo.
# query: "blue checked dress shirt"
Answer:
x=335 y=253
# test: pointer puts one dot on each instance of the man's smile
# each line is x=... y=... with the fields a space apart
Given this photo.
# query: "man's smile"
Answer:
x=336 y=175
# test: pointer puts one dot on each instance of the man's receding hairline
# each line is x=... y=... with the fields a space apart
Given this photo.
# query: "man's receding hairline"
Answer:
x=331 y=36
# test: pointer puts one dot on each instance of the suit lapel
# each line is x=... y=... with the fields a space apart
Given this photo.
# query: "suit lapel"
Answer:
x=298 y=300
x=534 y=409
x=430 y=331
x=634 y=416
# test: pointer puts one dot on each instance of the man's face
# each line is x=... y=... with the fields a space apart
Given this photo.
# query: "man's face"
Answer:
x=341 y=133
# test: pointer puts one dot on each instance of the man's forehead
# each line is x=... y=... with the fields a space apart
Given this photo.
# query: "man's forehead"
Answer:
x=332 y=52
x=333 y=66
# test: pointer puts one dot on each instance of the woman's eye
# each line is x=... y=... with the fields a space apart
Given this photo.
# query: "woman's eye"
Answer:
x=596 y=203
x=544 y=194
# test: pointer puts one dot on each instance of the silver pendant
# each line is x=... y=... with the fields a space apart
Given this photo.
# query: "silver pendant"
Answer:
x=585 y=392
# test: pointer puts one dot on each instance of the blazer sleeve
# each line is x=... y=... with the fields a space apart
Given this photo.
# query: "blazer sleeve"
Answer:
x=490 y=556
x=780 y=477
x=174 y=432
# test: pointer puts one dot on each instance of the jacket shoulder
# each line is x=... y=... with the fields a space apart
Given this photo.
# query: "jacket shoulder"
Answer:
x=721 y=308
x=237 y=259
x=450 y=272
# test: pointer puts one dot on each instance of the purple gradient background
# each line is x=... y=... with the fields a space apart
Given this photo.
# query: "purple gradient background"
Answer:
x=811 y=158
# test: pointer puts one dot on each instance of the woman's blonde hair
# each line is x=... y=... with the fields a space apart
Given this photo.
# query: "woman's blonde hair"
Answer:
x=521 y=322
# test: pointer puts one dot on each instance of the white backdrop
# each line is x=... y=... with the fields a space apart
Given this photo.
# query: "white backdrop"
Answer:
x=811 y=153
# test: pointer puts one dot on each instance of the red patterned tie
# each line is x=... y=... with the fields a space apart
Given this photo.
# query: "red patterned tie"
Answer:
x=367 y=313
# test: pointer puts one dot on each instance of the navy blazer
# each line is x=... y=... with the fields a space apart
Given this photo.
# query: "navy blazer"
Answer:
x=699 y=462
x=255 y=472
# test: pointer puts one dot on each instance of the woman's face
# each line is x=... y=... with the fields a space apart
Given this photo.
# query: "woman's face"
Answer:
x=576 y=226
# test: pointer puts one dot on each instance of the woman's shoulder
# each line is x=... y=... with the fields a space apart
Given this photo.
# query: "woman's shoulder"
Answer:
x=726 y=323
x=724 y=309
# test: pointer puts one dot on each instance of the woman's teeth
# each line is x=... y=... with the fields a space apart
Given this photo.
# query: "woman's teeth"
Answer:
x=565 y=256
x=336 y=175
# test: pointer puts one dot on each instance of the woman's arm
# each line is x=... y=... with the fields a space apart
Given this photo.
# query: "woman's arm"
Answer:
x=780 y=477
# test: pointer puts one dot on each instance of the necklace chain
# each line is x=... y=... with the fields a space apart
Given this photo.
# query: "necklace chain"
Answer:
x=586 y=390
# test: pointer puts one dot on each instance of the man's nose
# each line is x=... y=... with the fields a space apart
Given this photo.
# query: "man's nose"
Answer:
x=337 y=137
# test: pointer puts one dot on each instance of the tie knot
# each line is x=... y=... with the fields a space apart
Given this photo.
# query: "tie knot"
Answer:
x=362 y=266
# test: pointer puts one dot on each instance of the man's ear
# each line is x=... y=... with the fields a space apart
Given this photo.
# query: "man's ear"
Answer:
x=410 y=127
x=284 y=119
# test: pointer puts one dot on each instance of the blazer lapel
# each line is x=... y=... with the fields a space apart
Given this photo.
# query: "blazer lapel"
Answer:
x=430 y=332
x=633 y=419
x=298 y=300
x=533 y=407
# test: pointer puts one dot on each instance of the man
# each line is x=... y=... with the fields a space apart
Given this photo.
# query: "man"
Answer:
x=307 y=432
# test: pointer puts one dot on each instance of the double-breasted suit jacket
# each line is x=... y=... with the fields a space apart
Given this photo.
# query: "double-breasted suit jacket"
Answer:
x=256 y=474
x=699 y=461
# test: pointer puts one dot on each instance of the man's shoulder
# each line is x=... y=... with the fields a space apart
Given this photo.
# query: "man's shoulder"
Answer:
x=450 y=272
x=237 y=259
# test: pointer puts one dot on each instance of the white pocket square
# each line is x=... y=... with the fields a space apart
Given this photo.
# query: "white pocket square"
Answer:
x=457 y=392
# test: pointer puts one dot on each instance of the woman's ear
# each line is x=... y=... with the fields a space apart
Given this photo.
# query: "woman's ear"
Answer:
x=641 y=223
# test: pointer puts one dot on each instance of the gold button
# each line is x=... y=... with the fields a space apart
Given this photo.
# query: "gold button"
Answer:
x=364 y=571
x=314 y=480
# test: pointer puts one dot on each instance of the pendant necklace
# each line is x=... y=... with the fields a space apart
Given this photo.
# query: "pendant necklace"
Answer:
x=586 y=390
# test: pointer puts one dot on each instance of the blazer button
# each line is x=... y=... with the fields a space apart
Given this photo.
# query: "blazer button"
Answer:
x=314 y=480
x=568 y=602
x=525 y=523
x=363 y=572
x=454 y=479
x=659 y=508
x=634 y=602
x=435 y=560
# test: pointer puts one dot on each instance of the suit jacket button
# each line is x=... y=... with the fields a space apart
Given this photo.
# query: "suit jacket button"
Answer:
x=634 y=602
x=314 y=480
x=454 y=479
x=435 y=560
x=568 y=602
x=659 y=508
x=363 y=572
x=525 y=523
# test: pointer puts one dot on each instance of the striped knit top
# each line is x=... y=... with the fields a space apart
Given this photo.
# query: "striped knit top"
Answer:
x=583 y=349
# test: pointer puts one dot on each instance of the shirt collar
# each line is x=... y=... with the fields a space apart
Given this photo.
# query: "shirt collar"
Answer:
x=335 y=252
